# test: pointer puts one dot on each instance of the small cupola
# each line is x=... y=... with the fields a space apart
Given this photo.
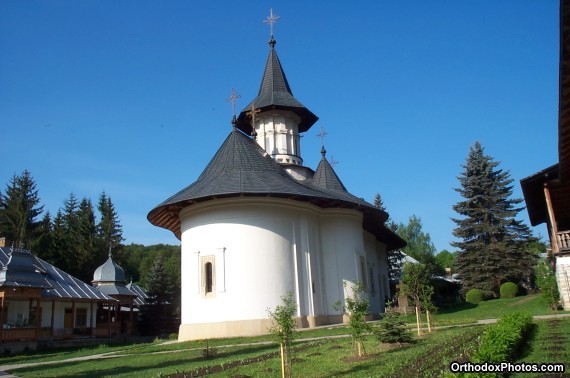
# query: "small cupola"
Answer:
x=110 y=271
x=275 y=117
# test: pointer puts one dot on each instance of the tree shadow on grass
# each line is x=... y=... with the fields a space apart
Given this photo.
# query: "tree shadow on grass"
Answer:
x=118 y=367
x=108 y=371
x=456 y=308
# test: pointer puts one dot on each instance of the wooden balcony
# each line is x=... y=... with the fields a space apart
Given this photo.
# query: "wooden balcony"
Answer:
x=563 y=241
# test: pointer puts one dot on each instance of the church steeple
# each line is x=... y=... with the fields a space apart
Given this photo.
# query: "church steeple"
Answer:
x=281 y=116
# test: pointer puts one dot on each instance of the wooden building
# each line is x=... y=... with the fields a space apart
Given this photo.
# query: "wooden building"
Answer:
x=547 y=193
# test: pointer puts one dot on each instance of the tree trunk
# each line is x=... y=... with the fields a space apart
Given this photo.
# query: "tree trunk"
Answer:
x=418 y=320
x=283 y=361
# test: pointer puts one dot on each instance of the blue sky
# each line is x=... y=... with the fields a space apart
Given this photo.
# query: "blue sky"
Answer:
x=129 y=97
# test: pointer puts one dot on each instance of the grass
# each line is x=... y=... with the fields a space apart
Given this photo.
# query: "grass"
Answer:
x=318 y=358
x=466 y=313
x=549 y=342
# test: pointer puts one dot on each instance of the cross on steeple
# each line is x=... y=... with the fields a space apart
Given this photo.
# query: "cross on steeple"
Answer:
x=251 y=114
x=332 y=161
x=233 y=99
x=322 y=134
x=271 y=19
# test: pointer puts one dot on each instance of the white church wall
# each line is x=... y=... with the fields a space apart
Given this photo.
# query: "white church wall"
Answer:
x=379 y=286
x=342 y=247
x=263 y=244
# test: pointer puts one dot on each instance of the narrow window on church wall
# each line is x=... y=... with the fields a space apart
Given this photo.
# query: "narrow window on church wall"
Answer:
x=208 y=271
x=208 y=277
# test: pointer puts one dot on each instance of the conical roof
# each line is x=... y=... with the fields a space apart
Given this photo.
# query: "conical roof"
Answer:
x=241 y=167
x=275 y=93
x=325 y=176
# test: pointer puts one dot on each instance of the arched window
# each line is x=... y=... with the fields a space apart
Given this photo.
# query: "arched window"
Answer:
x=209 y=276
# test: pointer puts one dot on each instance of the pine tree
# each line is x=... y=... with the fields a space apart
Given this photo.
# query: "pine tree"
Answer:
x=19 y=211
x=394 y=257
x=109 y=229
x=86 y=241
x=494 y=247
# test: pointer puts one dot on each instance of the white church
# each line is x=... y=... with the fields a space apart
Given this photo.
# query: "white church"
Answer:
x=258 y=224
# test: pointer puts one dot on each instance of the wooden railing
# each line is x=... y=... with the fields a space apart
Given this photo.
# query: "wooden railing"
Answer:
x=16 y=334
x=563 y=240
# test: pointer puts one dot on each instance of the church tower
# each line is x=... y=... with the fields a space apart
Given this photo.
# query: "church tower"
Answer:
x=275 y=118
x=257 y=224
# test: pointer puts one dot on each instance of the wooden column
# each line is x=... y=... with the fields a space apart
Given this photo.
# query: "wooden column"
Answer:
x=109 y=318
x=38 y=318
x=52 y=317
x=131 y=323
x=552 y=219
x=91 y=320
x=2 y=320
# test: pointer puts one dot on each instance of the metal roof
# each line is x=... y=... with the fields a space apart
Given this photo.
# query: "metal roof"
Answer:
x=57 y=283
x=142 y=296
x=275 y=93
x=241 y=167
x=110 y=271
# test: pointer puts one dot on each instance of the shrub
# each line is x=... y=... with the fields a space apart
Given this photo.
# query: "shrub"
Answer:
x=546 y=281
x=509 y=290
x=501 y=341
x=474 y=296
x=392 y=329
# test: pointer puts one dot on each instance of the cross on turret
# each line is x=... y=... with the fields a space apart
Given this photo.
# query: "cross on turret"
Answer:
x=271 y=19
x=233 y=99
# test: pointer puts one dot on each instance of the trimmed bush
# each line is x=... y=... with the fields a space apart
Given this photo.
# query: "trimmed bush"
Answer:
x=474 y=296
x=509 y=290
x=501 y=341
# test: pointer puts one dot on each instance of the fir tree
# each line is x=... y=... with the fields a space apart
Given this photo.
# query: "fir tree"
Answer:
x=109 y=229
x=494 y=247
x=395 y=256
x=86 y=241
x=19 y=211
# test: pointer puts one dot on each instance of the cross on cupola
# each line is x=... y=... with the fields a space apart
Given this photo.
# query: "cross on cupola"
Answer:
x=270 y=20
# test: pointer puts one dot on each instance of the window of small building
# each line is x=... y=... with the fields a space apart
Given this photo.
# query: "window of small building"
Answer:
x=80 y=318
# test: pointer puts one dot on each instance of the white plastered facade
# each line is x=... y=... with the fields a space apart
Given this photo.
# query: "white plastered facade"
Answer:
x=260 y=249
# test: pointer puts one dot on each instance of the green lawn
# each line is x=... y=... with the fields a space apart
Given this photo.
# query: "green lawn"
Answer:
x=549 y=342
x=315 y=358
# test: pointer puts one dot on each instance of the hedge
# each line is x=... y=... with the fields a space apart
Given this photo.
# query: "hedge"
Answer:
x=501 y=341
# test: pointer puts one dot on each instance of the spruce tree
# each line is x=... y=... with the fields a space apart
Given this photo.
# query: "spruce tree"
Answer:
x=493 y=246
x=394 y=256
x=19 y=211
x=109 y=229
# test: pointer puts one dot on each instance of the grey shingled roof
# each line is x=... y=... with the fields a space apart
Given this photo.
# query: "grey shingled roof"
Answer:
x=325 y=176
x=275 y=93
x=242 y=167
x=58 y=284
